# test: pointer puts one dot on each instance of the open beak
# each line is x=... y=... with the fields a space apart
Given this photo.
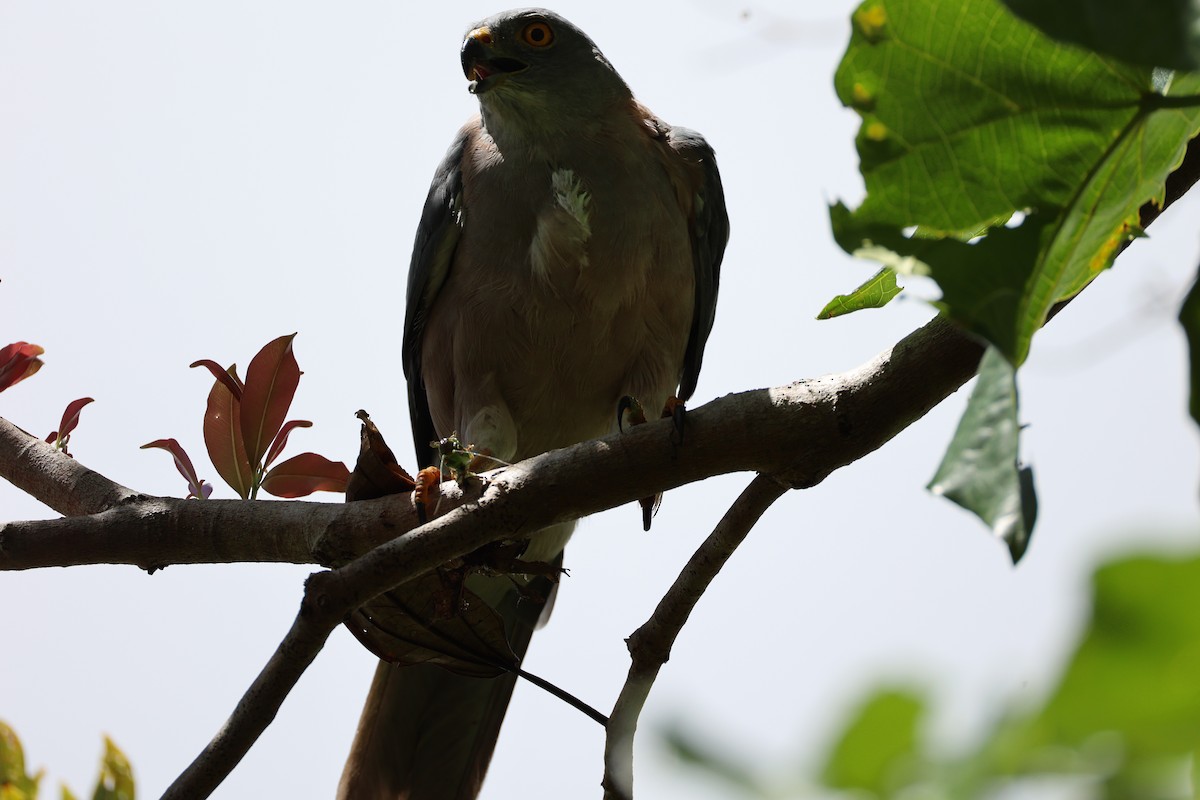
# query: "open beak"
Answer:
x=479 y=64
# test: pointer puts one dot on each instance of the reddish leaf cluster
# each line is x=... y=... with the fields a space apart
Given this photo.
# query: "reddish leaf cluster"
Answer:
x=70 y=419
x=245 y=431
x=18 y=361
x=197 y=488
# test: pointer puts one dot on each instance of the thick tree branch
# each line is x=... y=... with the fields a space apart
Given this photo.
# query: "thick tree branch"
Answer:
x=57 y=480
x=650 y=645
x=799 y=433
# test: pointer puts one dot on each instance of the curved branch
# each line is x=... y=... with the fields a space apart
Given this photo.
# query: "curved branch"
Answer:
x=799 y=433
x=258 y=706
x=650 y=645
x=56 y=479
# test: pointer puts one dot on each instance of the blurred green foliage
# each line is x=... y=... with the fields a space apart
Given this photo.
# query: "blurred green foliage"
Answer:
x=1123 y=722
x=114 y=783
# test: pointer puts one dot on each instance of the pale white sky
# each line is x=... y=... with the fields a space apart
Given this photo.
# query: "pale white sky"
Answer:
x=190 y=181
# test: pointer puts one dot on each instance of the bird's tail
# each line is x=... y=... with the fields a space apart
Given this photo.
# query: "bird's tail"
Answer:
x=426 y=733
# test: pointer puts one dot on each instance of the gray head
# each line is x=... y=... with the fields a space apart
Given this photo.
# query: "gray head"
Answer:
x=532 y=65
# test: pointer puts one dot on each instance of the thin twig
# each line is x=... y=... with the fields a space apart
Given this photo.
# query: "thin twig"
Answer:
x=258 y=706
x=563 y=695
x=650 y=645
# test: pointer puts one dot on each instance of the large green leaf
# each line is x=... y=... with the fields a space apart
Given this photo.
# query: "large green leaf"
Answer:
x=1164 y=33
x=1103 y=214
x=1135 y=679
x=970 y=115
x=877 y=752
x=1138 y=668
x=980 y=470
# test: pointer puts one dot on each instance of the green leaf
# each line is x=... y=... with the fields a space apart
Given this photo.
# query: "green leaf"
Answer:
x=1137 y=671
x=1189 y=317
x=716 y=762
x=876 y=292
x=980 y=470
x=982 y=283
x=878 y=749
x=970 y=114
x=1103 y=215
x=1162 y=33
x=116 y=775
x=15 y=784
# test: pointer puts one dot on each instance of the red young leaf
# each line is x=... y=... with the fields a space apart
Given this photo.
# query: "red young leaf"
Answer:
x=18 y=361
x=223 y=437
x=196 y=487
x=232 y=382
x=304 y=474
x=282 y=437
x=271 y=381
x=70 y=417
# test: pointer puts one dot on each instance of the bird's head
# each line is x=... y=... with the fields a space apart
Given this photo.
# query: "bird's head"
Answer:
x=534 y=62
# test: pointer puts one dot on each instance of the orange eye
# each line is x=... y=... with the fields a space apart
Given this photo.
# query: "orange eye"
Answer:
x=537 y=34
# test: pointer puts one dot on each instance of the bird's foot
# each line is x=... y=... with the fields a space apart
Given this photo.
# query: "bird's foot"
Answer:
x=630 y=411
x=677 y=412
x=427 y=493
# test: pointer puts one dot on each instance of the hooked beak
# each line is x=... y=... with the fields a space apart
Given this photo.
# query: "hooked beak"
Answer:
x=480 y=66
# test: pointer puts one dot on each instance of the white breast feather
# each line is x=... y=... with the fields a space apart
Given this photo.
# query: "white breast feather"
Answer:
x=563 y=229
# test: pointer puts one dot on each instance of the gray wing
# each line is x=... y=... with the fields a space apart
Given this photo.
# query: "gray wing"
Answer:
x=710 y=233
x=433 y=249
